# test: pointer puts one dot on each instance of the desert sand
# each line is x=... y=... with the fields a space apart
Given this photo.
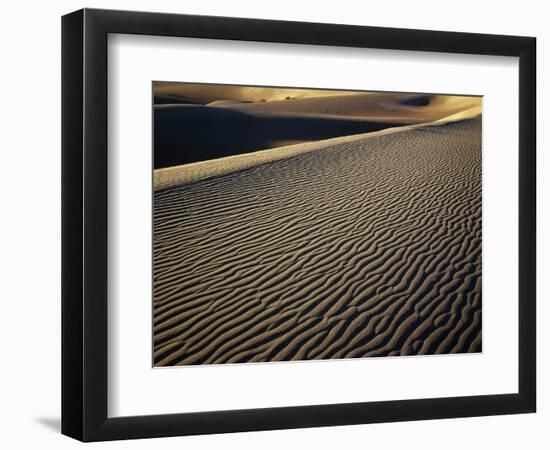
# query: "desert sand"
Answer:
x=364 y=244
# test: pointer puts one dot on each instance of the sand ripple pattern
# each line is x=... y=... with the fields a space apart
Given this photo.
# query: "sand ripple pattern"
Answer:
x=367 y=248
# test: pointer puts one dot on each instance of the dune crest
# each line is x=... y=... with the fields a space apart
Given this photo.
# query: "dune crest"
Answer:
x=173 y=176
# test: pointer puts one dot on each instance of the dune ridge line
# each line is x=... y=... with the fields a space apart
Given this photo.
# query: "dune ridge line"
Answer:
x=186 y=173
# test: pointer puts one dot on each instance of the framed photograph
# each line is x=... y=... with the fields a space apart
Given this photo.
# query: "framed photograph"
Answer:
x=273 y=225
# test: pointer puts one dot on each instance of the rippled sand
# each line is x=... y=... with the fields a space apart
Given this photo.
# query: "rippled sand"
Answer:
x=351 y=247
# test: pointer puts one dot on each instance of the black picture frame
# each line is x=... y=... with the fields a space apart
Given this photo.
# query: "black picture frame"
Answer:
x=84 y=224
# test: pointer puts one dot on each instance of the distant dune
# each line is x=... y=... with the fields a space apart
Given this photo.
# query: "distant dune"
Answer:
x=235 y=124
x=207 y=93
x=393 y=108
x=350 y=247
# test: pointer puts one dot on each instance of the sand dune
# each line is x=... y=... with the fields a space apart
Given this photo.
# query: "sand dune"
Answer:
x=186 y=133
x=365 y=246
x=383 y=107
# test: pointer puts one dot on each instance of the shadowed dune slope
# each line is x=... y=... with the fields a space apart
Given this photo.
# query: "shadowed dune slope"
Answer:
x=364 y=248
x=185 y=134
